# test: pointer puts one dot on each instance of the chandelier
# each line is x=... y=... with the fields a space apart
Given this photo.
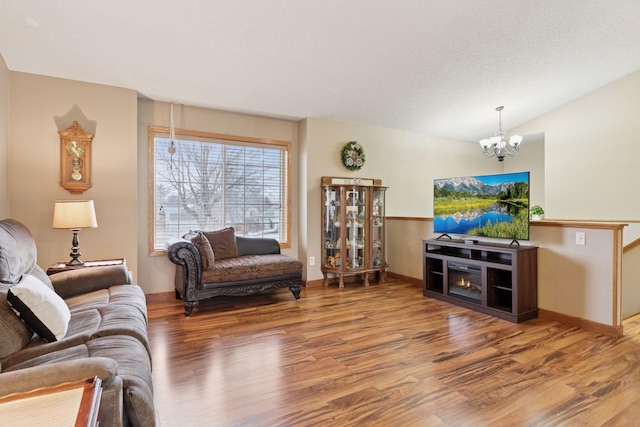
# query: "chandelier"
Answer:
x=496 y=146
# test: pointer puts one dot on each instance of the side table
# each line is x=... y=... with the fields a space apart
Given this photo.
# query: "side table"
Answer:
x=61 y=266
x=68 y=404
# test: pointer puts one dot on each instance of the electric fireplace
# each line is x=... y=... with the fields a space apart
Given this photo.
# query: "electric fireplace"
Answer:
x=465 y=281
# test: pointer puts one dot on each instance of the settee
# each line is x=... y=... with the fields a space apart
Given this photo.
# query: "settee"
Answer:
x=215 y=263
x=71 y=326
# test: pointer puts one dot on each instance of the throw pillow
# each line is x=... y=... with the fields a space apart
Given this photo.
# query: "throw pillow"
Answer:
x=207 y=256
x=223 y=243
x=40 y=308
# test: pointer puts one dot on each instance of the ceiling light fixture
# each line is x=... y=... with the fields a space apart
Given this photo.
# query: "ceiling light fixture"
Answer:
x=496 y=146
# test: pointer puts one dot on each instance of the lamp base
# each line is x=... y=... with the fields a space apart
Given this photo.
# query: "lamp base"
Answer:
x=75 y=250
x=74 y=262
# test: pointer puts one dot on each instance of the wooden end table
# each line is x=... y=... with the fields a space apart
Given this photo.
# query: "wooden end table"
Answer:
x=68 y=404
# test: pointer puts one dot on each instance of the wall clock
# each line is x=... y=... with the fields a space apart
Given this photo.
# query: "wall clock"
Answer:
x=75 y=159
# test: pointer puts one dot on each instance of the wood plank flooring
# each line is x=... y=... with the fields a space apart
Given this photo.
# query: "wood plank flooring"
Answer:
x=383 y=355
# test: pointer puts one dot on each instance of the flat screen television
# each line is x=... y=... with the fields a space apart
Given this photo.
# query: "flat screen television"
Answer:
x=483 y=206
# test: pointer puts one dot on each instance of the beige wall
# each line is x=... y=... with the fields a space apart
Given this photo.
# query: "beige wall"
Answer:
x=531 y=158
x=406 y=259
x=4 y=138
x=577 y=281
x=156 y=272
x=592 y=147
x=40 y=106
x=406 y=162
x=631 y=283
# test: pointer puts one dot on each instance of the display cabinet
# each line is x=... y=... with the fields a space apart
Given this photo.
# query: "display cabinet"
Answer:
x=353 y=229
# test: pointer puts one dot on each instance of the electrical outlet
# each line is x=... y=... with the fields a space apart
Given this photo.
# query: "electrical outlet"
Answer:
x=312 y=260
x=581 y=238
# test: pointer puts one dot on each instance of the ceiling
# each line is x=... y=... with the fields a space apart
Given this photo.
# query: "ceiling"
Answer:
x=432 y=67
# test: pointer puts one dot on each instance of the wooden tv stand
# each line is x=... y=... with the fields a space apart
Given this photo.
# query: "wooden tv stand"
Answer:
x=495 y=279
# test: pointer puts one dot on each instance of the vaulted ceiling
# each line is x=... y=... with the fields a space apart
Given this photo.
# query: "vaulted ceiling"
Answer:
x=433 y=67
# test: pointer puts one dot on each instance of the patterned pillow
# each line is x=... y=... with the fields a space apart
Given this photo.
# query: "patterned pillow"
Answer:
x=223 y=242
x=207 y=257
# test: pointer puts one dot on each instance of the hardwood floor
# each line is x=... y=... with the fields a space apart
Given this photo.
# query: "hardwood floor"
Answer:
x=383 y=355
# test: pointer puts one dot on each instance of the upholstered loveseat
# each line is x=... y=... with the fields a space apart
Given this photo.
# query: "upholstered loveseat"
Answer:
x=90 y=322
x=210 y=264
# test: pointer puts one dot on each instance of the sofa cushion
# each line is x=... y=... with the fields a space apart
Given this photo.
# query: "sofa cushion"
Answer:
x=17 y=251
x=251 y=267
x=223 y=243
x=14 y=335
x=132 y=295
x=43 y=311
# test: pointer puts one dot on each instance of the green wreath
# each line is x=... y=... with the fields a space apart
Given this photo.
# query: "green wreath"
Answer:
x=353 y=156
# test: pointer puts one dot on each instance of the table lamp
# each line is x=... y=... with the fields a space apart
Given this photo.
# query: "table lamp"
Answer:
x=74 y=215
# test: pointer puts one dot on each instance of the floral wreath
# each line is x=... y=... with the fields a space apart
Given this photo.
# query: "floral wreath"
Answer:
x=353 y=156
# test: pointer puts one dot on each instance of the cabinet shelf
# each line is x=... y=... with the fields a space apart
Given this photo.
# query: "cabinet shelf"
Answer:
x=499 y=280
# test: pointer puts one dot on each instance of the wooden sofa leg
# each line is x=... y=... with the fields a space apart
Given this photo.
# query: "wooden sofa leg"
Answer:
x=178 y=296
x=188 y=307
x=295 y=290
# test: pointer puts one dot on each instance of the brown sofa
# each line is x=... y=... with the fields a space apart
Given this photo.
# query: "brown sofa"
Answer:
x=105 y=334
x=210 y=264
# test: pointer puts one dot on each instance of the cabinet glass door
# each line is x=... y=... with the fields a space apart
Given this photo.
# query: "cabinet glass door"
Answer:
x=355 y=217
x=378 y=255
x=332 y=219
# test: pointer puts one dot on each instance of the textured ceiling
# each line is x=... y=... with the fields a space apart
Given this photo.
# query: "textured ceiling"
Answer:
x=433 y=67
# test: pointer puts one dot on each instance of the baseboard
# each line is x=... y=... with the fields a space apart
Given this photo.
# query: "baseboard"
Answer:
x=312 y=283
x=161 y=296
x=588 y=325
x=408 y=279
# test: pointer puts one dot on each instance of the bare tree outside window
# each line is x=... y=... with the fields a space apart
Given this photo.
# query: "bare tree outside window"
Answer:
x=211 y=183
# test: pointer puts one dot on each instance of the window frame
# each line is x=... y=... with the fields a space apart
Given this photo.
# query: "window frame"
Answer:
x=159 y=131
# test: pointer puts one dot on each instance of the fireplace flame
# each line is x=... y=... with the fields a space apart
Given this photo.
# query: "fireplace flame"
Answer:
x=465 y=284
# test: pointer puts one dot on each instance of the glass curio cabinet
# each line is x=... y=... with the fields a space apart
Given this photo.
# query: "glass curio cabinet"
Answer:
x=353 y=229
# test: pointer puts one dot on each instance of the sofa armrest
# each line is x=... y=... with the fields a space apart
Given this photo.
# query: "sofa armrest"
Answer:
x=81 y=281
x=49 y=375
x=185 y=254
x=182 y=251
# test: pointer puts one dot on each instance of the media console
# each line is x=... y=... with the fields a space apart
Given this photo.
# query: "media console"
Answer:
x=495 y=279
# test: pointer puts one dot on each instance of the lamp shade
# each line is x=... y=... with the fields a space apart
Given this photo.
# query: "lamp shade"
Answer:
x=74 y=214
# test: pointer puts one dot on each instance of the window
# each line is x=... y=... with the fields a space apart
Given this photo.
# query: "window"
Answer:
x=207 y=181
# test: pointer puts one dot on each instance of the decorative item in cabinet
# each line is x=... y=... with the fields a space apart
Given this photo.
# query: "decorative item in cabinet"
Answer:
x=353 y=228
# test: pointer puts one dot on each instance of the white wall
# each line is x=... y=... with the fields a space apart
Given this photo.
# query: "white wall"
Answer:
x=39 y=107
x=158 y=271
x=4 y=138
